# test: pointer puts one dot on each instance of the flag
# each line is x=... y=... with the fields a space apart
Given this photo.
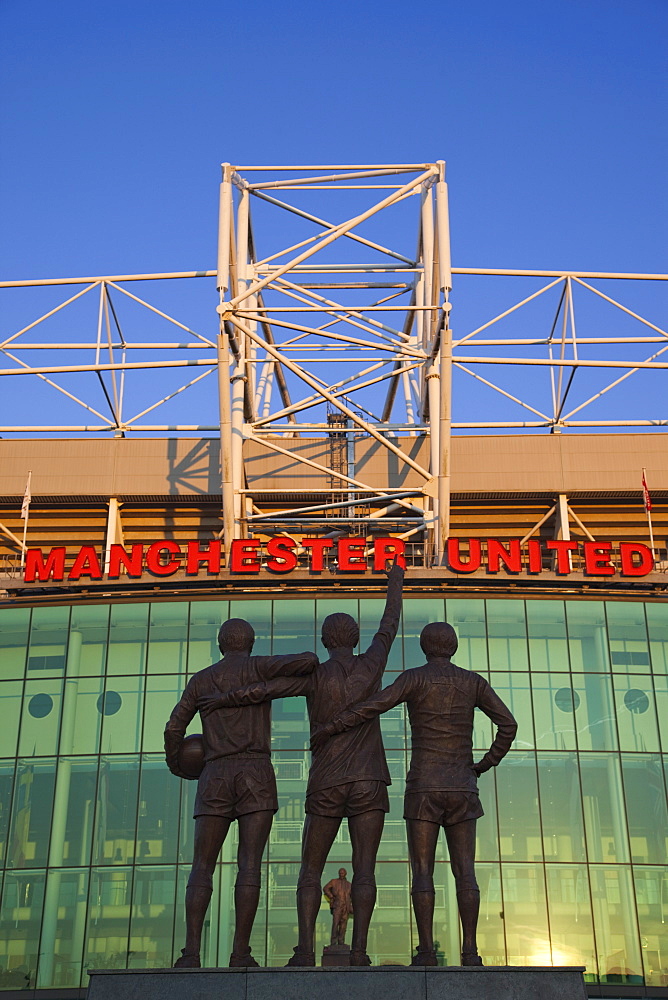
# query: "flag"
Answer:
x=645 y=492
x=27 y=497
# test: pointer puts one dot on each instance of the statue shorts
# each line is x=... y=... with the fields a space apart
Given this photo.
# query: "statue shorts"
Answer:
x=349 y=799
x=232 y=786
x=447 y=808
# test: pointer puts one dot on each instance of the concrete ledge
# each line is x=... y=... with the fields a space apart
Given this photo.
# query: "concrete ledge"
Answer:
x=399 y=982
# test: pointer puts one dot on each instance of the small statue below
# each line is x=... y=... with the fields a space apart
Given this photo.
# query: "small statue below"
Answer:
x=338 y=892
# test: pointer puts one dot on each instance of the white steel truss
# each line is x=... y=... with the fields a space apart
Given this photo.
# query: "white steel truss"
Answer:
x=319 y=318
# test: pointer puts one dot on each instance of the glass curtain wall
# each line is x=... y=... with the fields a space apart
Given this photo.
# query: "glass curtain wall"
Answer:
x=96 y=834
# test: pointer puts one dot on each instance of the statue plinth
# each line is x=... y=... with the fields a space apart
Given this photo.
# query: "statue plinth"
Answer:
x=336 y=954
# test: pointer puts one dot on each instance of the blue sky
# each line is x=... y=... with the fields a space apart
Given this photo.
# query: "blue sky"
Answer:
x=115 y=117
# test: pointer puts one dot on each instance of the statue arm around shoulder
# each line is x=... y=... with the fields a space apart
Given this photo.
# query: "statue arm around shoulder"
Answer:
x=287 y=665
x=490 y=703
x=175 y=729
x=256 y=694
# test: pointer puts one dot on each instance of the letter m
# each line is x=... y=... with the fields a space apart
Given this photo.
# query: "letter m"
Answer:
x=38 y=568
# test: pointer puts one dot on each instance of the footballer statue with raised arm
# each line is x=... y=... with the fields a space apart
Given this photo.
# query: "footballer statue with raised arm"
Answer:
x=237 y=781
x=349 y=776
x=441 y=786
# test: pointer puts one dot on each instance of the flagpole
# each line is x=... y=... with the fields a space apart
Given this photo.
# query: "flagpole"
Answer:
x=648 y=510
x=25 y=510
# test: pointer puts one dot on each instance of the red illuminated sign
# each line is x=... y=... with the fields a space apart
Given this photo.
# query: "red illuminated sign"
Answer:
x=282 y=555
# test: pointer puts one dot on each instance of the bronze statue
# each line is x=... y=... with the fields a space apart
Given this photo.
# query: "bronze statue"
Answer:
x=441 y=787
x=237 y=781
x=348 y=775
x=338 y=894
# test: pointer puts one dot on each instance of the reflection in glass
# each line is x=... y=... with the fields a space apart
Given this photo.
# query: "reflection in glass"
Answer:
x=548 y=643
x=525 y=911
x=121 y=730
x=294 y=626
x=91 y=621
x=108 y=919
x=6 y=789
x=651 y=891
x=595 y=713
x=20 y=920
x=48 y=641
x=645 y=795
x=506 y=635
x=467 y=617
x=116 y=812
x=587 y=638
x=168 y=638
x=206 y=617
x=31 y=814
x=152 y=918
x=515 y=691
x=158 y=812
x=73 y=807
x=661 y=695
x=41 y=717
x=390 y=931
x=636 y=718
x=11 y=698
x=63 y=928
x=519 y=816
x=605 y=820
x=553 y=706
x=561 y=807
x=162 y=694
x=128 y=637
x=628 y=636
x=615 y=925
x=657 y=628
x=14 y=624
x=571 y=927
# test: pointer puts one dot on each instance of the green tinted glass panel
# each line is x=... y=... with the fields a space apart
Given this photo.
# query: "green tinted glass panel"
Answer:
x=548 y=642
x=152 y=918
x=108 y=919
x=14 y=625
x=30 y=827
x=603 y=805
x=645 y=794
x=561 y=807
x=615 y=925
x=286 y=833
x=636 y=712
x=587 y=637
x=162 y=694
x=571 y=925
x=116 y=812
x=661 y=695
x=128 y=638
x=11 y=695
x=281 y=882
x=40 y=718
x=206 y=617
x=82 y=715
x=417 y=614
x=627 y=633
x=554 y=711
x=294 y=626
x=657 y=628
x=74 y=801
x=525 y=912
x=519 y=816
x=651 y=891
x=259 y=614
x=6 y=790
x=506 y=635
x=515 y=691
x=20 y=924
x=467 y=617
x=158 y=812
x=122 y=719
x=61 y=946
x=289 y=724
x=92 y=624
x=594 y=712
x=48 y=641
x=168 y=638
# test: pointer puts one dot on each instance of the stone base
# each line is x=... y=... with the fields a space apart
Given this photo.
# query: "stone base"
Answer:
x=337 y=955
x=399 y=982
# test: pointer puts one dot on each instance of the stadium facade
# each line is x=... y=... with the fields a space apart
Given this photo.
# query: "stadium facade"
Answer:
x=535 y=546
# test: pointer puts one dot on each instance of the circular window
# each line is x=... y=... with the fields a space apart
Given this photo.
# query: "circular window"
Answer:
x=109 y=703
x=566 y=699
x=636 y=701
x=40 y=705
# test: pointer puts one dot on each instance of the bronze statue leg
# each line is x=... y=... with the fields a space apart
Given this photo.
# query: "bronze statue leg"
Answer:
x=365 y=832
x=317 y=839
x=343 y=923
x=210 y=833
x=461 y=845
x=254 y=829
x=422 y=840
